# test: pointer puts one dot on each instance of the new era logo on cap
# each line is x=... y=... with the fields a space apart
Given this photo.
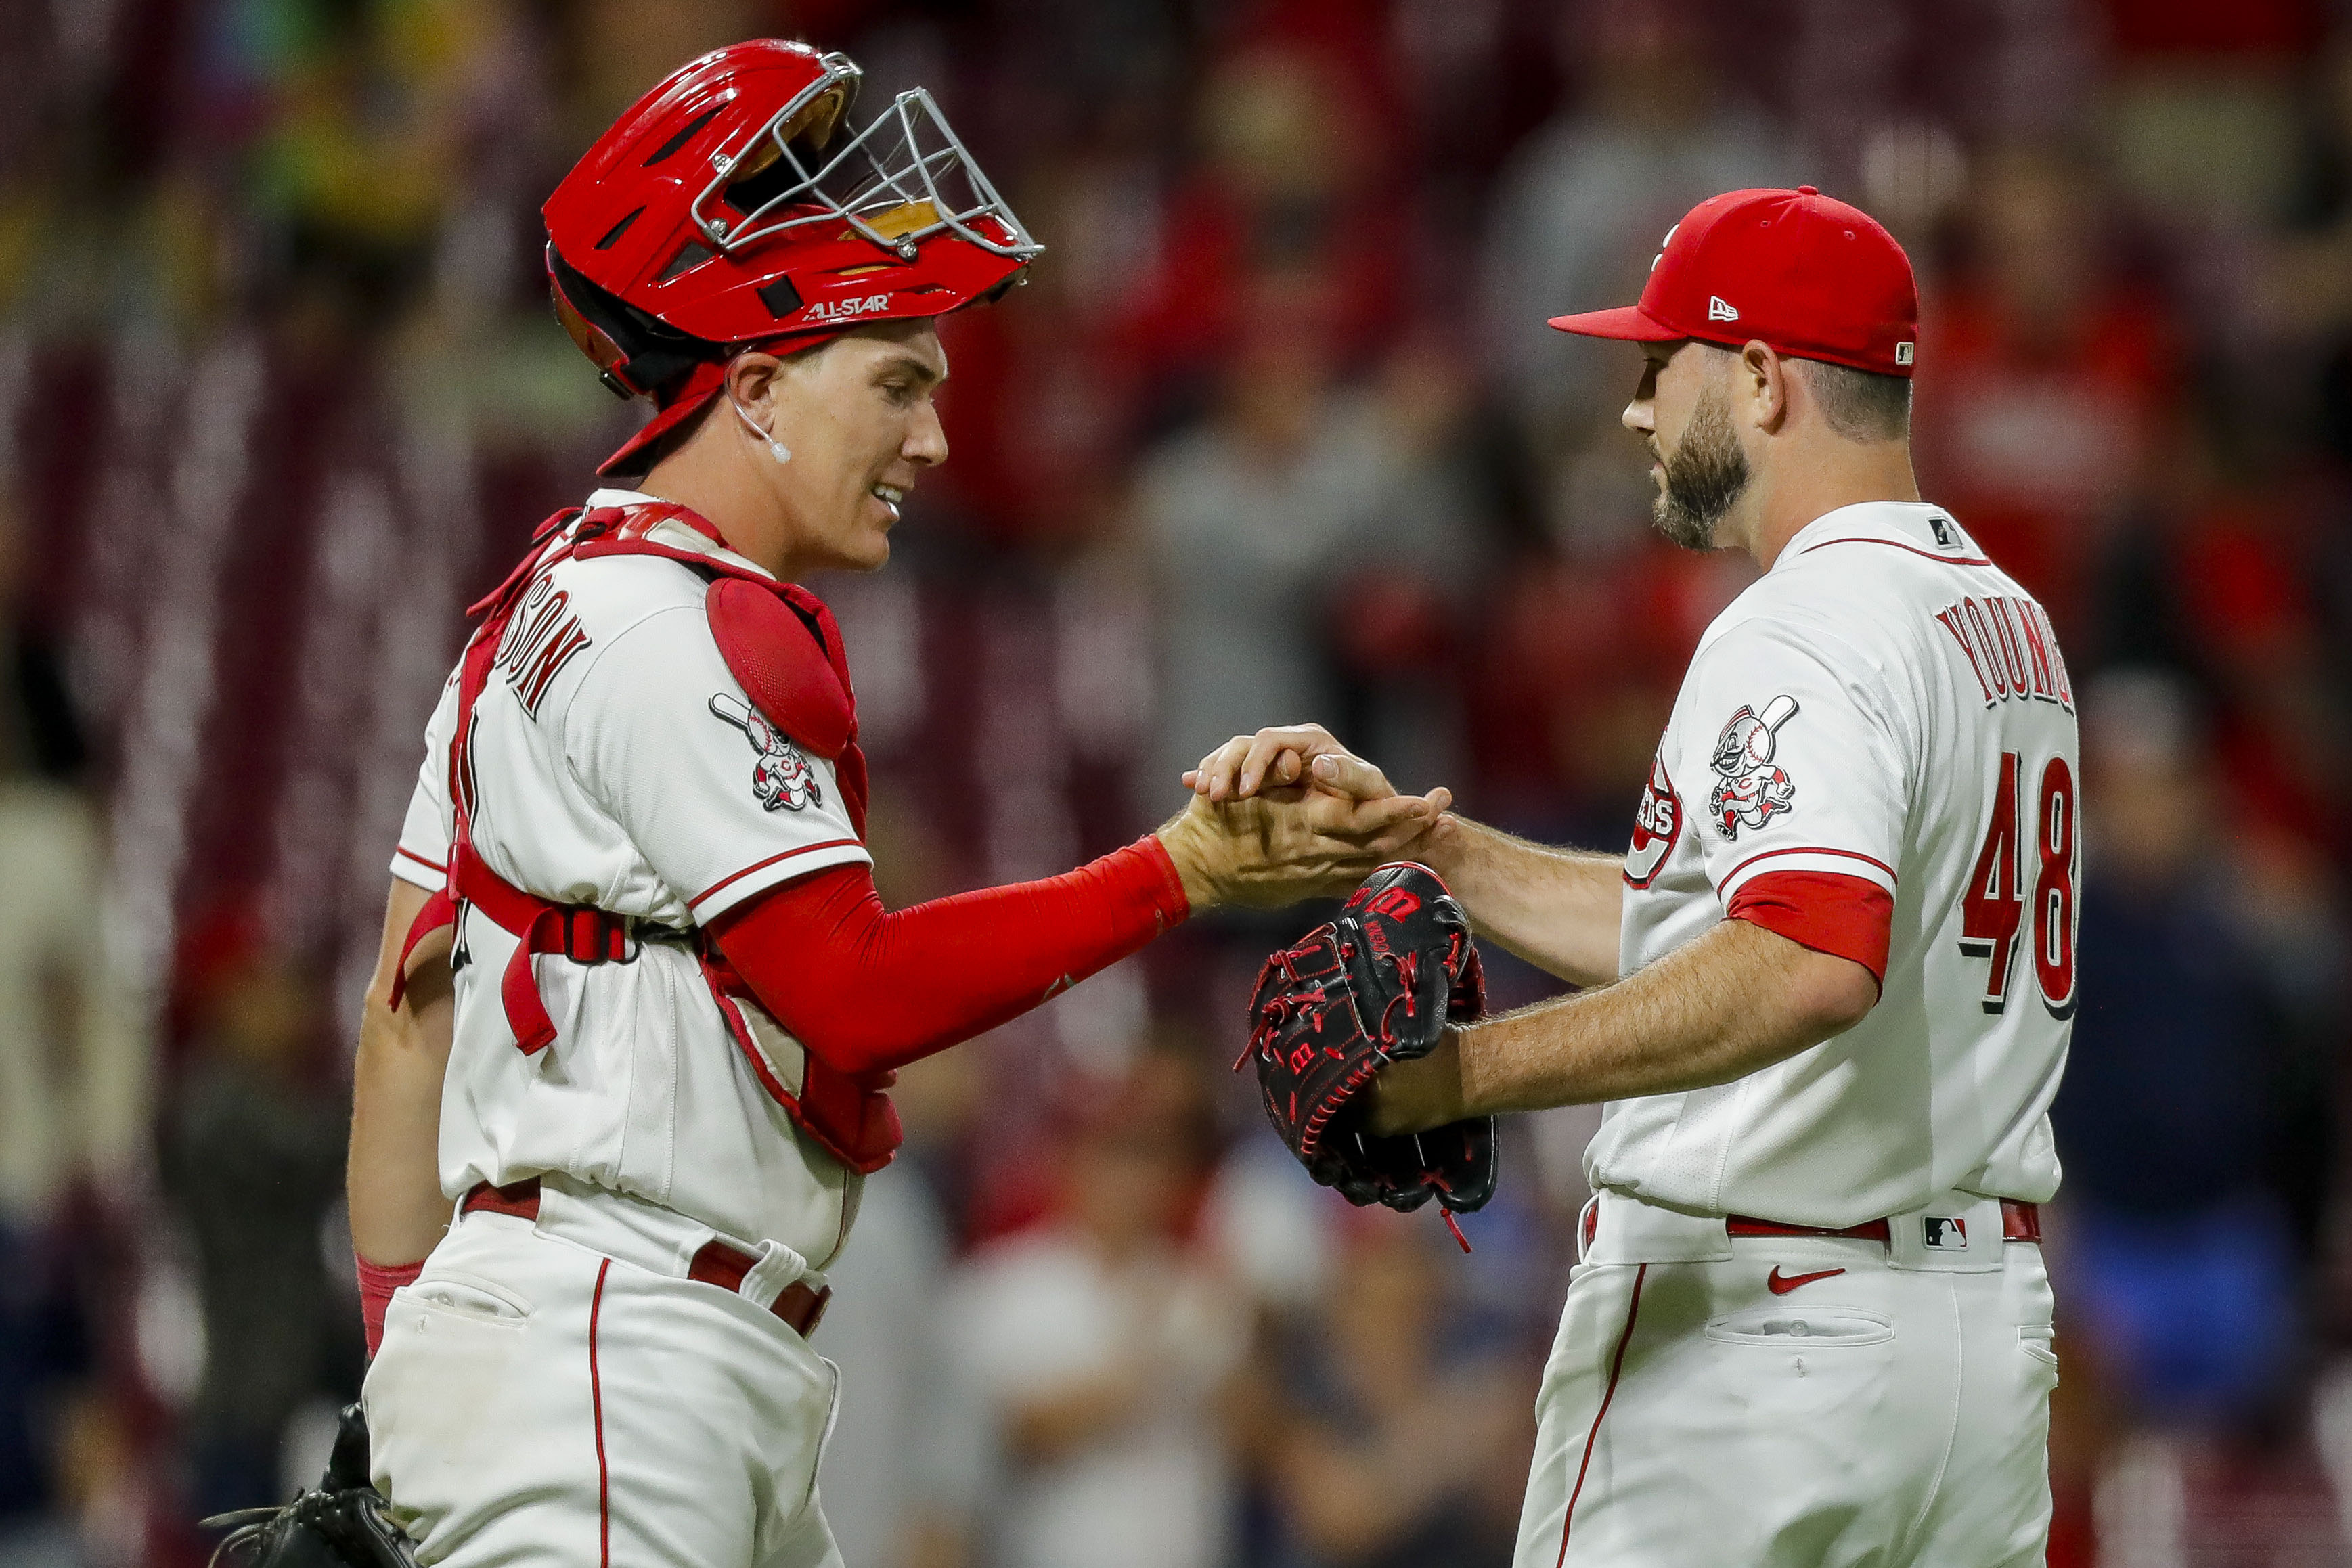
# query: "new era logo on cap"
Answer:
x=1817 y=280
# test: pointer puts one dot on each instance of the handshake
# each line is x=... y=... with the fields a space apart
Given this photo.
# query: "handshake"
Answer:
x=1290 y=813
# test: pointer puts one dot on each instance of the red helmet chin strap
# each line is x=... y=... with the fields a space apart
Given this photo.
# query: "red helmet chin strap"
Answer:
x=682 y=400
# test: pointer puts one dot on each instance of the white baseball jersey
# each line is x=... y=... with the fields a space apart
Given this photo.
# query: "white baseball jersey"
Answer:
x=616 y=761
x=1876 y=741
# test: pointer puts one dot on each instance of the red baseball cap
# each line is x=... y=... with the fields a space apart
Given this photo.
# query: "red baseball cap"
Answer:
x=1807 y=273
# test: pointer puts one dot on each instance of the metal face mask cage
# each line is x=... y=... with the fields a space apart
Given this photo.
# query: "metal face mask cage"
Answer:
x=904 y=178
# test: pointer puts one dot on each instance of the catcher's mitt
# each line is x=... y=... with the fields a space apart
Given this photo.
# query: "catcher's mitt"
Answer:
x=1378 y=984
x=338 y=1525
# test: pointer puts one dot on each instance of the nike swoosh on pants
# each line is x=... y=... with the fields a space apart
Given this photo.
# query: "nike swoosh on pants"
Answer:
x=1780 y=1284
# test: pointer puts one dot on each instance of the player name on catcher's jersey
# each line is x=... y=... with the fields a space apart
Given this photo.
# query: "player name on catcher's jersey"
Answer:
x=1885 y=704
x=616 y=762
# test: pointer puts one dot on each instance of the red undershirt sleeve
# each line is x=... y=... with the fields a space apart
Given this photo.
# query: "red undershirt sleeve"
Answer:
x=868 y=990
x=1846 y=916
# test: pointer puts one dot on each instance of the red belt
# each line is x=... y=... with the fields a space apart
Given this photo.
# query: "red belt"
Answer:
x=2019 y=1222
x=716 y=1264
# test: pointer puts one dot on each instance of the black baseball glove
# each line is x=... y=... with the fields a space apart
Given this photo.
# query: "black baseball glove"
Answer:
x=1376 y=986
x=339 y=1524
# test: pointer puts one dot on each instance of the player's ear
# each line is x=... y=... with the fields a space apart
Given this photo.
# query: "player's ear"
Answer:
x=752 y=379
x=1761 y=378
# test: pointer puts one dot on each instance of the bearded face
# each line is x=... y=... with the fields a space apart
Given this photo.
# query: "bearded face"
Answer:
x=1704 y=476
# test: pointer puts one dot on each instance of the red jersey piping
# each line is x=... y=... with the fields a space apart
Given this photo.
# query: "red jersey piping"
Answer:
x=727 y=881
x=1807 y=850
x=596 y=1398
x=1616 y=1370
x=1898 y=544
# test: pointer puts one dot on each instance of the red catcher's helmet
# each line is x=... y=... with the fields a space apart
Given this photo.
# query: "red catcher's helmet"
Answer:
x=728 y=210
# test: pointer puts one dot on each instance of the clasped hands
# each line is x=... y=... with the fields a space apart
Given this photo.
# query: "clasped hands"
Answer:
x=1290 y=813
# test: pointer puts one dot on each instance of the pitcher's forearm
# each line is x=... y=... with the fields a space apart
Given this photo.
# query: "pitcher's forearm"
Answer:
x=1732 y=1002
x=1557 y=909
x=1738 y=999
x=393 y=1179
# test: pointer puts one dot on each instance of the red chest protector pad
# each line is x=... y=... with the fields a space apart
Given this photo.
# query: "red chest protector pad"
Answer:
x=782 y=645
x=778 y=641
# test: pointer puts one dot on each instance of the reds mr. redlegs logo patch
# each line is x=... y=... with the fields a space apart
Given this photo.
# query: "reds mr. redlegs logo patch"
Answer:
x=782 y=776
x=1749 y=791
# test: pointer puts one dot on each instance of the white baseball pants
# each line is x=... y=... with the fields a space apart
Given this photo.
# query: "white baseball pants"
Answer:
x=540 y=1403
x=1883 y=1407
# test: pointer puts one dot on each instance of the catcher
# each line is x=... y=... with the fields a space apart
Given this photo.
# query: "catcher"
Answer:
x=639 y=1006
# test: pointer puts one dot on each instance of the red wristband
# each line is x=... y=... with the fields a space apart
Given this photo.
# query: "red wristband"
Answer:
x=377 y=1282
x=1166 y=898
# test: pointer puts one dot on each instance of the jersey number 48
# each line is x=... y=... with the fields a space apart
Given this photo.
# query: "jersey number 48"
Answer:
x=1993 y=910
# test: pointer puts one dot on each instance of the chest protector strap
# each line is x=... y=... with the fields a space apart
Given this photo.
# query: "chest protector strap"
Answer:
x=780 y=643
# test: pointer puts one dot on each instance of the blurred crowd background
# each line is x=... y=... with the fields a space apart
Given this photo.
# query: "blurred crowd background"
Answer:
x=1275 y=432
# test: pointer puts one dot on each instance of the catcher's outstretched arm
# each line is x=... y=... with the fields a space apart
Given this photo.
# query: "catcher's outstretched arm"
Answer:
x=869 y=990
x=393 y=1177
x=1737 y=999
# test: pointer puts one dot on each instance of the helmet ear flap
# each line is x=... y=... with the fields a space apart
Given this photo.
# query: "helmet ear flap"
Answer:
x=610 y=363
x=636 y=354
